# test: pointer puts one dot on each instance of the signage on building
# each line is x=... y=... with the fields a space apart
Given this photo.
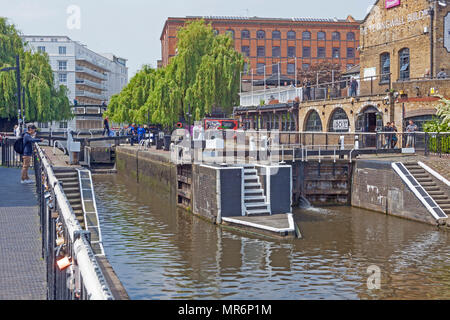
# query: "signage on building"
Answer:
x=339 y=125
x=392 y=3
x=447 y=32
x=398 y=21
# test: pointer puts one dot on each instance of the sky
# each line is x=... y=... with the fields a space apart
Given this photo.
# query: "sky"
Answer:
x=132 y=28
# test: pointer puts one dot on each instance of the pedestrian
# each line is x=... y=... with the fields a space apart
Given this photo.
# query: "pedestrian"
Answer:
x=28 y=141
x=394 y=140
x=17 y=131
x=411 y=129
x=106 y=127
x=387 y=136
x=140 y=133
x=307 y=88
x=442 y=74
x=353 y=88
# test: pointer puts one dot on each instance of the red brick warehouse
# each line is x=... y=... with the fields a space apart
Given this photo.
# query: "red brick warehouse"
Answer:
x=272 y=41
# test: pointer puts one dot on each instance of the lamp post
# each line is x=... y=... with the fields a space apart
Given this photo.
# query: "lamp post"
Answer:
x=19 y=90
x=431 y=41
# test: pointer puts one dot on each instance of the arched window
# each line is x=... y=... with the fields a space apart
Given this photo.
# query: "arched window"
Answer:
x=276 y=34
x=306 y=35
x=245 y=34
x=291 y=35
x=230 y=32
x=385 y=67
x=321 y=35
x=339 y=121
x=404 y=61
x=336 y=36
x=261 y=34
x=313 y=122
x=350 y=36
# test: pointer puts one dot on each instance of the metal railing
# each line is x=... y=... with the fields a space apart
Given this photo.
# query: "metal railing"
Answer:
x=73 y=272
x=9 y=158
x=366 y=86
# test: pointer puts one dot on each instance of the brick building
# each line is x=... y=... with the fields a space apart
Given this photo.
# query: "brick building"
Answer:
x=405 y=45
x=271 y=42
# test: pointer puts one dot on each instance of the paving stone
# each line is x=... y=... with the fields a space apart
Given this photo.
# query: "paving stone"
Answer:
x=22 y=269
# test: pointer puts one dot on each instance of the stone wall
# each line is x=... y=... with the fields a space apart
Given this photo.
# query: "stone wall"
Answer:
x=204 y=190
x=148 y=168
x=377 y=187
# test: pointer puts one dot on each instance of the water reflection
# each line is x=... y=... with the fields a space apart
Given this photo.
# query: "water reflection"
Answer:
x=160 y=252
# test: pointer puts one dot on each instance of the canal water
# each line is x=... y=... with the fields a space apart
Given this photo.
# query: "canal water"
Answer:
x=160 y=252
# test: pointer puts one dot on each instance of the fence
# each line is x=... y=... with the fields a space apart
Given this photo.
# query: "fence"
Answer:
x=9 y=158
x=73 y=272
x=366 y=86
x=374 y=142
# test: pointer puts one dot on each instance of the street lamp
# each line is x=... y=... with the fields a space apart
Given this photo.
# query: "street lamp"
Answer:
x=19 y=90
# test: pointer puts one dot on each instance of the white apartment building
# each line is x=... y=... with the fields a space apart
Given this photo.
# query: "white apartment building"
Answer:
x=91 y=78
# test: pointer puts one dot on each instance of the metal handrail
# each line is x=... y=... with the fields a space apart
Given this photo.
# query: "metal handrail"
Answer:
x=92 y=277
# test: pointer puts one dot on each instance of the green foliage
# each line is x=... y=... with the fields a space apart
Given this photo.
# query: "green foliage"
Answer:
x=442 y=123
x=205 y=74
x=43 y=102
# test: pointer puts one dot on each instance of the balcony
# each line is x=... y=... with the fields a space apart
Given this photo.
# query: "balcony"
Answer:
x=95 y=74
x=92 y=84
x=92 y=95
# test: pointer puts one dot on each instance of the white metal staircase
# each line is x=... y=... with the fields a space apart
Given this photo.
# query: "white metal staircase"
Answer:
x=255 y=201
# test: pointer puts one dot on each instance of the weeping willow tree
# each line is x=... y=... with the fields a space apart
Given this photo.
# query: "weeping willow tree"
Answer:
x=43 y=102
x=204 y=75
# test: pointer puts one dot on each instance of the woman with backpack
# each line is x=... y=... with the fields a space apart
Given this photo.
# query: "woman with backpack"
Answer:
x=24 y=147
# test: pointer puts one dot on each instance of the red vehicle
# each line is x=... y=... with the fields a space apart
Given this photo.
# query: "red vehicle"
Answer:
x=221 y=124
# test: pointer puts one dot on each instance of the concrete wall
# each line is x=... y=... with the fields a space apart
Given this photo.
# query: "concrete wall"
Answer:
x=217 y=191
x=376 y=186
x=151 y=169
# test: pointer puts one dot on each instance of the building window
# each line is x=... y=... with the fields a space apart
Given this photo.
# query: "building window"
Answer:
x=339 y=121
x=276 y=52
x=350 y=36
x=230 y=32
x=306 y=35
x=43 y=125
x=62 y=78
x=245 y=67
x=313 y=123
x=291 y=35
x=350 y=53
x=321 y=53
x=336 y=53
x=62 y=65
x=245 y=34
x=291 y=68
x=261 y=34
x=404 y=64
x=385 y=61
x=306 y=52
x=305 y=66
x=41 y=49
x=291 y=52
x=321 y=35
x=275 y=69
x=62 y=51
x=261 y=51
x=276 y=34
x=63 y=125
x=246 y=50
x=336 y=36
x=260 y=68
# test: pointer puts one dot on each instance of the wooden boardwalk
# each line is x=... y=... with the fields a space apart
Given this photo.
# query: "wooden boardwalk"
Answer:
x=22 y=269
